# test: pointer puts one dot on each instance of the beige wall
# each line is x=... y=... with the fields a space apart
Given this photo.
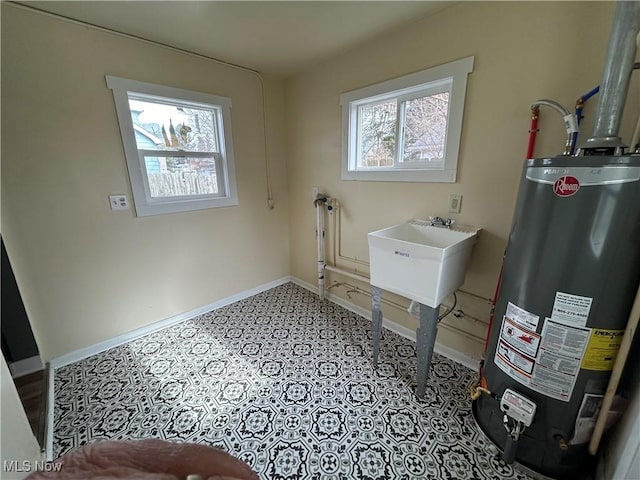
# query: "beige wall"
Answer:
x=86 y=273
x=523 y=51
x=17 y=442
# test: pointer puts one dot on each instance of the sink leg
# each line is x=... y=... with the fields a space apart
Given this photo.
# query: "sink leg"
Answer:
x=425 y=340
x=376 y=321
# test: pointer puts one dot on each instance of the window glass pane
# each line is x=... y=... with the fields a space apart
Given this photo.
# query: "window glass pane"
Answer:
x=160 y=126
x=425 y=128
x=377 y=134
x=181 y=176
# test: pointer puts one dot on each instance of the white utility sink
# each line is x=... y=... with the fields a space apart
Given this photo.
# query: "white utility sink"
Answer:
x=420 y=261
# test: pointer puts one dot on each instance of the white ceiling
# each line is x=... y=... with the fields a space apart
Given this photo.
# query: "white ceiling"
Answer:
x=276 y=37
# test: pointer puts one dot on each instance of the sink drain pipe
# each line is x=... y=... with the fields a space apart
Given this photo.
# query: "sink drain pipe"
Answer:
x=319 y=203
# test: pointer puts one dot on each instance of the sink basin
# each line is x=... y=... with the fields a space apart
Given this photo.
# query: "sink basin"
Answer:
x=419 y=261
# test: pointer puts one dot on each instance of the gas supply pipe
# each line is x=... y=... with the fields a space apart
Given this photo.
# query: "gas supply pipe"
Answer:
x=578 y=112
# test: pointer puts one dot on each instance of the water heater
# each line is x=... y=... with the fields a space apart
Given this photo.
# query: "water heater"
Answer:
x=570 y=275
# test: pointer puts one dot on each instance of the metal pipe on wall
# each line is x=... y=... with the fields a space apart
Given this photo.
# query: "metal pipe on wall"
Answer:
x=337 y=239
x=443 y=324
x=320 y=237
x=347 y=273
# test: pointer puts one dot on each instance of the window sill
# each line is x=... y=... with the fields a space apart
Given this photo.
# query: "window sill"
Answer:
x=425 y=176
x=146 y=210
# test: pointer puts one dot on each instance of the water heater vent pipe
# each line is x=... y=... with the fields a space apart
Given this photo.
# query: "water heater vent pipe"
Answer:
x=616 y=77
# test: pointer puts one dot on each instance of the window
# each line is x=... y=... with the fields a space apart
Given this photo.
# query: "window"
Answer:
x=178 y=147
x=406 y=129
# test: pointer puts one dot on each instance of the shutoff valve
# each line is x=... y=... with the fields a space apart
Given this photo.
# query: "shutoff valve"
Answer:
x=518 y=414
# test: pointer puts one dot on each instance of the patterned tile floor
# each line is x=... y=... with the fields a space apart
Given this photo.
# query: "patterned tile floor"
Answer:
x=285 y=382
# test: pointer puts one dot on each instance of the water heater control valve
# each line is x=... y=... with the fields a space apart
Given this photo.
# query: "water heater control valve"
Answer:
x=518 y=407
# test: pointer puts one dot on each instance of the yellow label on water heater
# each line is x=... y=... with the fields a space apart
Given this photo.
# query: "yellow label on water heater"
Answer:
x=602 y=349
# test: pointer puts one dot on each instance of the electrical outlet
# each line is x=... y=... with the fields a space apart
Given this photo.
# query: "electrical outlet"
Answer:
x=314 y=192
x=119 y=202
x=455 y=203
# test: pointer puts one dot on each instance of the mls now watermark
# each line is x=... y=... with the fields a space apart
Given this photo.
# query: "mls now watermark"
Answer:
x=13 y=466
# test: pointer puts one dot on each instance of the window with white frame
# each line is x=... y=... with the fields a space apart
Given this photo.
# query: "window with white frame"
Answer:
x=178 y=147
x=406 y=129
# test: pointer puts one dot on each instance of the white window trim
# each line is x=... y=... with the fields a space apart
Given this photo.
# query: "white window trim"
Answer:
x=144 y=205
x=455 y=72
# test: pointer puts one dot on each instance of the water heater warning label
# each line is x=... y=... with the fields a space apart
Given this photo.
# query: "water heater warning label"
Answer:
x=602 y=349
x=523 y=318
x=564 y=340
x=558 y=362
x=514 y=363
x=523 y=340
x=548 y=363
x=571 y=310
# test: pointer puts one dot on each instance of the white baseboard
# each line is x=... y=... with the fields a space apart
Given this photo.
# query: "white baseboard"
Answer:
x=26 y=366
x=450 y=353
x=83 y=353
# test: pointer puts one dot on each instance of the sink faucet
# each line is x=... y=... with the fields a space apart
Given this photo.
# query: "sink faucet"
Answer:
x=441 y=222
x=436 y=221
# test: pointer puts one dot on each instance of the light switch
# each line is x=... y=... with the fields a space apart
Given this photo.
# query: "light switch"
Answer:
x=119 y=202
x=455 y=203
